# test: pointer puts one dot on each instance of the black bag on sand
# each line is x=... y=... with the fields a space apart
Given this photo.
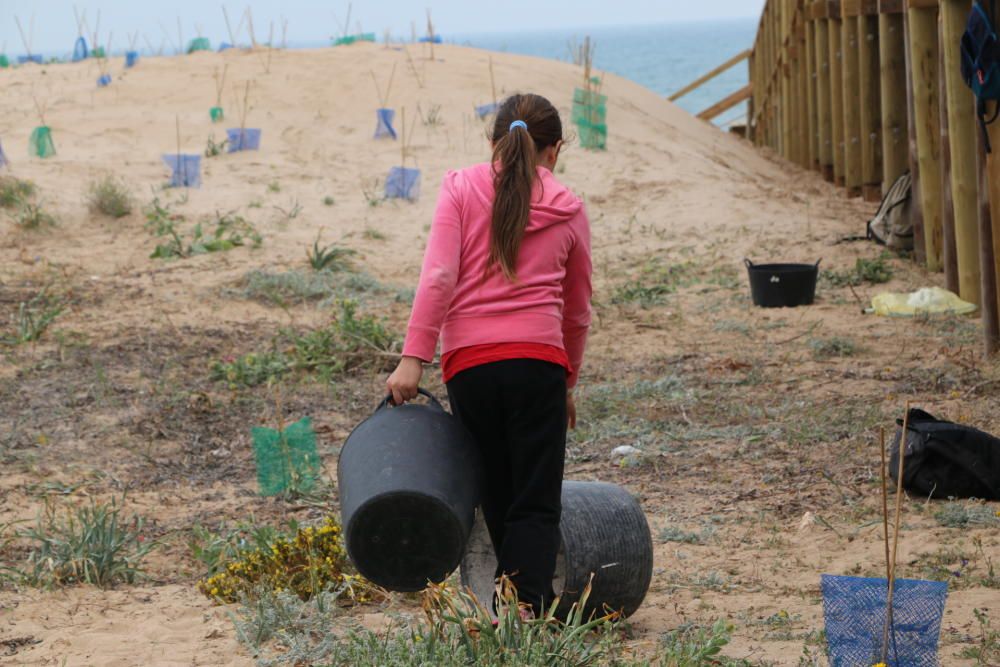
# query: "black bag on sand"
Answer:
x=947 y=460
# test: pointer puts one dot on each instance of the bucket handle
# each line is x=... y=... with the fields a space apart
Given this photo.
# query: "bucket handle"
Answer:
x=387 y=401
x=750 y=264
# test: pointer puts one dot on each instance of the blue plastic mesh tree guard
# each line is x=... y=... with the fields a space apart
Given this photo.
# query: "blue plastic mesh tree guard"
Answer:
x=104 y=80
x=246 y=139
x=3 y=158
x=402 y=183
x=487 y=109
x=185 y=170
x=384 y=127
x=33 y=58
x=854 y=610
x=80 y=51
x=131 y=59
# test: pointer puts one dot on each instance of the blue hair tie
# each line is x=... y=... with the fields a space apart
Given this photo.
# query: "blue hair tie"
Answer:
x=518 y=123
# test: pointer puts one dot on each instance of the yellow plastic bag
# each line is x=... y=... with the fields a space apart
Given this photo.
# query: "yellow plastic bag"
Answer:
x=926 y=301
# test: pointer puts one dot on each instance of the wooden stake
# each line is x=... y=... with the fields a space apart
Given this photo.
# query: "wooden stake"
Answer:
x=24 y=40
x=229 y=28
x=402 y=143
x=220 y=83
x=927 y=114
x=895 y=535
x=852 y=107
x=870 y=108
x=895 y=153
x=493 y=83
x=430 y=33
x=178 y=121
x=253 y=34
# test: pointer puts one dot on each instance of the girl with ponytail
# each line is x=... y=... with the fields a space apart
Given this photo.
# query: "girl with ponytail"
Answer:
x=506 y=286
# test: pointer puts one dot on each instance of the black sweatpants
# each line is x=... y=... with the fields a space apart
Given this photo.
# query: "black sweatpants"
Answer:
x=516 y=413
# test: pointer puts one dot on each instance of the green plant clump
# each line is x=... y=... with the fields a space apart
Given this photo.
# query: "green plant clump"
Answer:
x=228 y=231
x=458 y=632
x=110 y=196
x=347 y=344
x=328 y=258
x=14 y=191
x=92 y=544
x=872 y=271
x=967 y=515
x=30 y=215
x=829 y=348
x=33 y=318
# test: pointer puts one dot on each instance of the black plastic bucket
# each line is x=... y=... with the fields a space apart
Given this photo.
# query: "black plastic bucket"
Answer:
x=782 y=285
x=604 y=532
x=409 y=480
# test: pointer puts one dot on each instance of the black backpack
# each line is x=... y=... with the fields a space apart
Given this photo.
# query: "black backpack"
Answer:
x=947 y=460
x=981 y=62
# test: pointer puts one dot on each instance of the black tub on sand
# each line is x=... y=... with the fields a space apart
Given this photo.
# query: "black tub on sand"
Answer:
x=782 y=285
x=604 y=532
x=409 y=480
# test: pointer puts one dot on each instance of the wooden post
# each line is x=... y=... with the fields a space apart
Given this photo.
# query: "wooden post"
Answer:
x=916 y=203
x=812 y=74
x=824 y=106
x=785 y=78
x=989 y=180
x=924 y=56
x=871 y=107
x=988 y=252
x=959 y=109
x=803 y=92
x=852 y=107
x=751 y=108
x=836 y=30
x=892 y=52
x=949 y=253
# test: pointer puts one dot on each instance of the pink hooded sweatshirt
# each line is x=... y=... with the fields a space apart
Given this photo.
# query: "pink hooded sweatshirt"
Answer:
x=549 y=303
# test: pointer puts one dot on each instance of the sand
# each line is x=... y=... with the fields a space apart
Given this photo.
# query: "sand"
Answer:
x=86 y=413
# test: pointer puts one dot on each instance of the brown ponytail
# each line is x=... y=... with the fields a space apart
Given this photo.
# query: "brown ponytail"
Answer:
x=515 y=158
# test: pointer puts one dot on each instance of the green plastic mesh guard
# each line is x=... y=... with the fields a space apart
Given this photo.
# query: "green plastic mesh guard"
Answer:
x=286 y=460
x=216 y=114
x=40 y=144
x=97 y=52
x=199 y=44
x=347 y=40
x=590 y=116
x=4 y=61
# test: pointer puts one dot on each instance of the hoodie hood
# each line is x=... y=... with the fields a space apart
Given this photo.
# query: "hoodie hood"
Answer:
x=551 y=201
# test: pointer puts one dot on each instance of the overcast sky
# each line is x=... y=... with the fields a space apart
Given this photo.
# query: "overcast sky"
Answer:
x=311 y=20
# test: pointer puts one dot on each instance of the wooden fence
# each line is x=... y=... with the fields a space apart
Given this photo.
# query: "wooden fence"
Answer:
x=865 y=90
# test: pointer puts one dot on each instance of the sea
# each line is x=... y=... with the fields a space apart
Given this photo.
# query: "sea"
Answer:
x=663 y=57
